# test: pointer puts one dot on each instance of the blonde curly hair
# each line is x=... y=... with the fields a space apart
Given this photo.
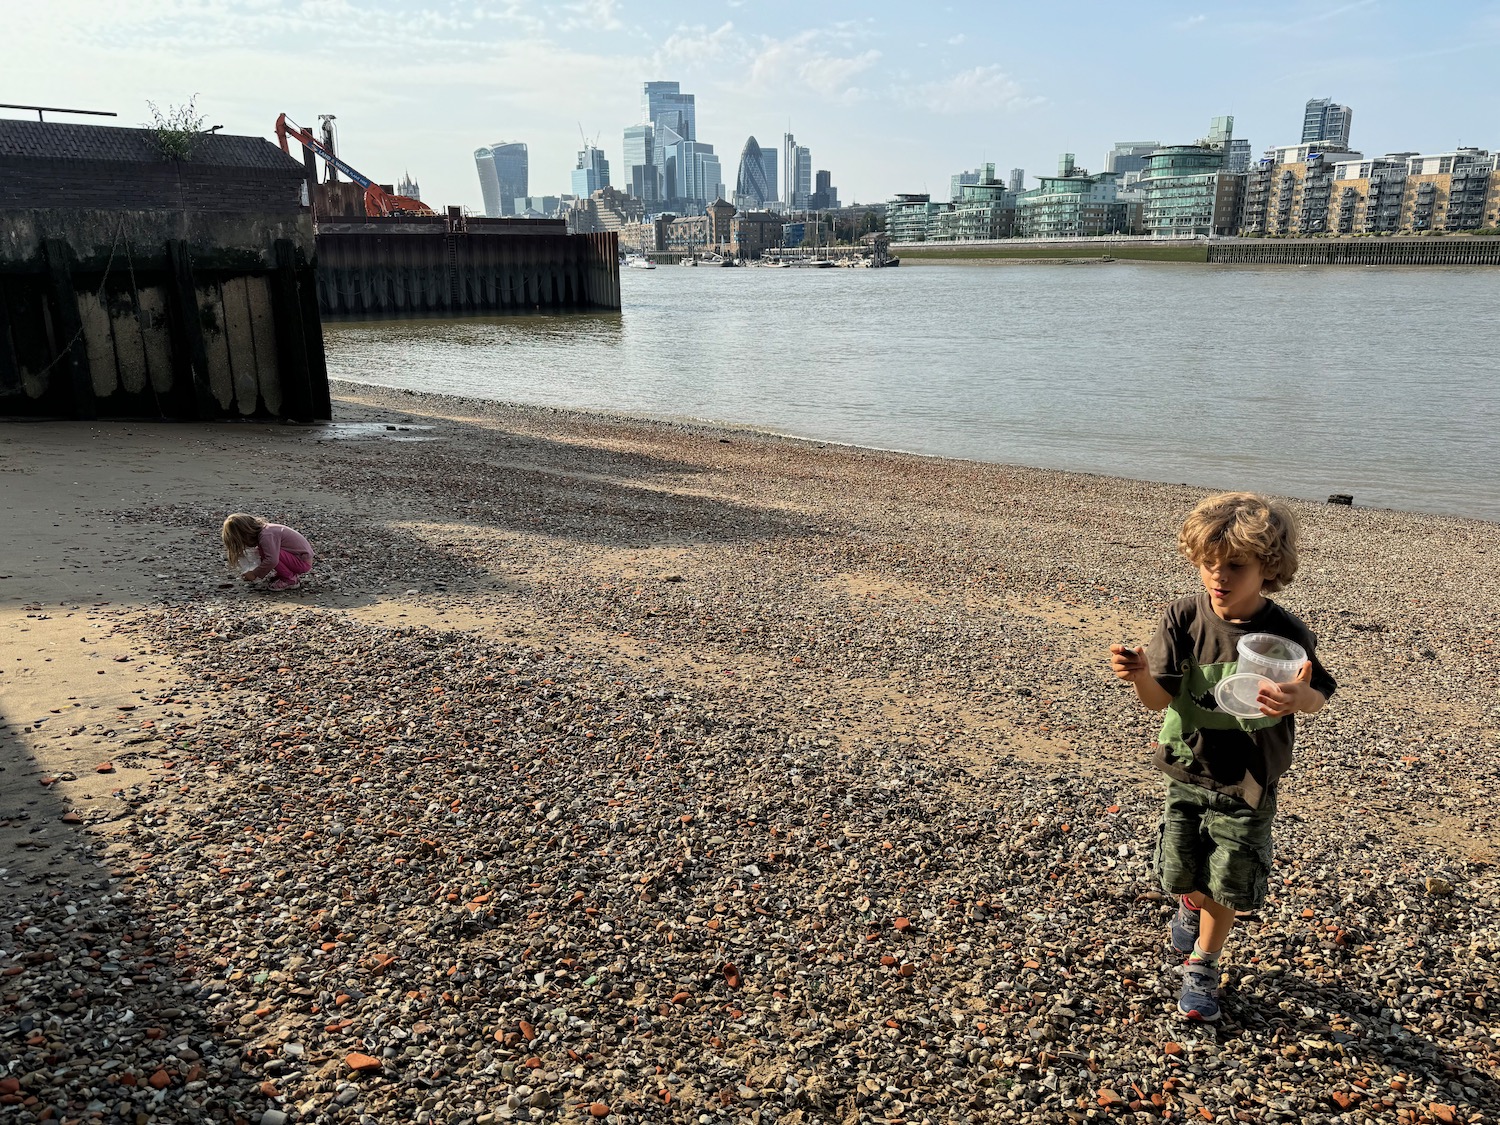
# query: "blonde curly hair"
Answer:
x=1243 y=525
x=241 y=532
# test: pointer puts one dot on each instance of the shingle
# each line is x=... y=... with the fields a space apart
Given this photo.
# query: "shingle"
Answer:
x=48 y=140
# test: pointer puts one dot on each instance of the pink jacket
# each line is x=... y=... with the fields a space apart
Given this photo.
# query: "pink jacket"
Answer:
x=275 y=538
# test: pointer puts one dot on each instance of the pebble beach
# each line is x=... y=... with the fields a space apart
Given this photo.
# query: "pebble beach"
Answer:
x=629 y=771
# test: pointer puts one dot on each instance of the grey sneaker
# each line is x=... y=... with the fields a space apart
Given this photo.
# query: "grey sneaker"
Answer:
x=1199 y=999
x=1184 y=927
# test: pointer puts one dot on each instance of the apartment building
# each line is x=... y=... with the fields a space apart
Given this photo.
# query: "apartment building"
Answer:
x=1450 y=191
x=1074 y=204
x=1298 y=190
x=1367 y=195
x=1290 y=191
x=1187 y=193
x=909 y=214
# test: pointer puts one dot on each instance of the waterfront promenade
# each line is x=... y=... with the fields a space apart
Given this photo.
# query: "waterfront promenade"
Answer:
x=650 y=772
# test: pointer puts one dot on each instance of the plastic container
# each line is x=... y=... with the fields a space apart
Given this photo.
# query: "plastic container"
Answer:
x=1270 y=656
x=1236 y=695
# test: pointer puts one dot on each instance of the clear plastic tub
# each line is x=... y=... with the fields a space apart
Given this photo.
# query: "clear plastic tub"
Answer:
x=1275 y=658
x=1237 y=695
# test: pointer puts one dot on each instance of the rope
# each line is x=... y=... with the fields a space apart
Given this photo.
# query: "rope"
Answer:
x=98 y=295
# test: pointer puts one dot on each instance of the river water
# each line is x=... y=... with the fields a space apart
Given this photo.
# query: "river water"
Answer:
x=1383 y=383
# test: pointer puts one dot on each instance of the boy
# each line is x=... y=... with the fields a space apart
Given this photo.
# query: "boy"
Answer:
x=1214 y=844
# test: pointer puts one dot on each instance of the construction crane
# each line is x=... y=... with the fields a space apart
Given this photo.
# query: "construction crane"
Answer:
x=379 y=203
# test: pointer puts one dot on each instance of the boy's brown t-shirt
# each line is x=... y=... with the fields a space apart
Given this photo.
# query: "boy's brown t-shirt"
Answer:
x=1192 y=650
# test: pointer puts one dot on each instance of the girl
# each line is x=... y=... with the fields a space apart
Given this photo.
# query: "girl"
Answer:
x=281 y=549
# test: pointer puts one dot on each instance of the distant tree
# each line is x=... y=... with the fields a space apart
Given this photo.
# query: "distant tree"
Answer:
x=177 y=130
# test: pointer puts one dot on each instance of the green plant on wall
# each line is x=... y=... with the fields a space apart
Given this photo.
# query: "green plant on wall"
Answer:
x=176 y=130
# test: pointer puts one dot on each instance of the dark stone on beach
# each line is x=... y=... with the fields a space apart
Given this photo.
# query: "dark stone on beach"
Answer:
x=1344 y=498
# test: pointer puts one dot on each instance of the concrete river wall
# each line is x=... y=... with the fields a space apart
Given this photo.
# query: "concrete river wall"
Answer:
x=136 y=286
x=160 y=327
x=457 y=266
x=1450 y=250
x=1463 y=250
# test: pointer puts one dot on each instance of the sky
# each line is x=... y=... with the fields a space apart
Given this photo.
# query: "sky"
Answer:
x=889 y=95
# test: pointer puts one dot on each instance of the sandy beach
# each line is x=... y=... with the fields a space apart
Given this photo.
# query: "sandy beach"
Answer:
x=620 y=770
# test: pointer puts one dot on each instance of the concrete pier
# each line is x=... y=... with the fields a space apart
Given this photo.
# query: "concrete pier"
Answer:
x=136 y=286
x=455 y=265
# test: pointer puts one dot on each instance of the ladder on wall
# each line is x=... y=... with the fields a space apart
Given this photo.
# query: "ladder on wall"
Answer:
x=455 y=289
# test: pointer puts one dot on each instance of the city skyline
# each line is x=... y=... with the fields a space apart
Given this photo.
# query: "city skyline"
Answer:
x=885 y=105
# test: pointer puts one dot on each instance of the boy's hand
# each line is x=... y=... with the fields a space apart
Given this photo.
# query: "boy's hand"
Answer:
x=1280 y=700
x=1129 y=664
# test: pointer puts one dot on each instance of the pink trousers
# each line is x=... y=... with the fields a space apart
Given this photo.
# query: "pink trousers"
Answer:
x=288 y=566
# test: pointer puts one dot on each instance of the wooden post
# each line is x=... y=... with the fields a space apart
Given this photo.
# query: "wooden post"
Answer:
x=291 y=350
x=190 y=385
x=73 y=362
x=10 y=369
x=312 y=337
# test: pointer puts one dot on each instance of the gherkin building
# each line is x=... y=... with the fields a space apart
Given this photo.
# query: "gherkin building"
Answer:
x=751 y=184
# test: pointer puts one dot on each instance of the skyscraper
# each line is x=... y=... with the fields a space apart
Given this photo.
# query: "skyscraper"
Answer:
x=1238 y=157
x=1129 y=156
x=692 y=175
x=797 y=175
x=789 y=169
x=591 y=172
x=773 y=181
x=1236 y=150
x=1017 y=180
x=958 y=180
x=489 y=183
x=751 y=189
x=667 y=144
x=1326 y=122
x=670 y=111
x=710 y=174
x=512 y=169
x=825 y=196
x=642 y=176
x=984 y=174
x=503 y=176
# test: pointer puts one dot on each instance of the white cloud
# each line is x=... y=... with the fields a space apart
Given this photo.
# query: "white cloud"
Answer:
x=981 y=89
x=822 y=61
x=802 y=61
x=592 y=15
x=1190 y=22
x=956 y=40
x=422 y=86
x=418 y=88
x=689 y=45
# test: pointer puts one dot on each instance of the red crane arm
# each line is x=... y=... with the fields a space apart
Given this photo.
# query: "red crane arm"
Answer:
x=378 y=201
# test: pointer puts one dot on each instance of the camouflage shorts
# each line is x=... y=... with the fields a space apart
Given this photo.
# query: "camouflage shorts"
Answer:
x=1215 y=844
